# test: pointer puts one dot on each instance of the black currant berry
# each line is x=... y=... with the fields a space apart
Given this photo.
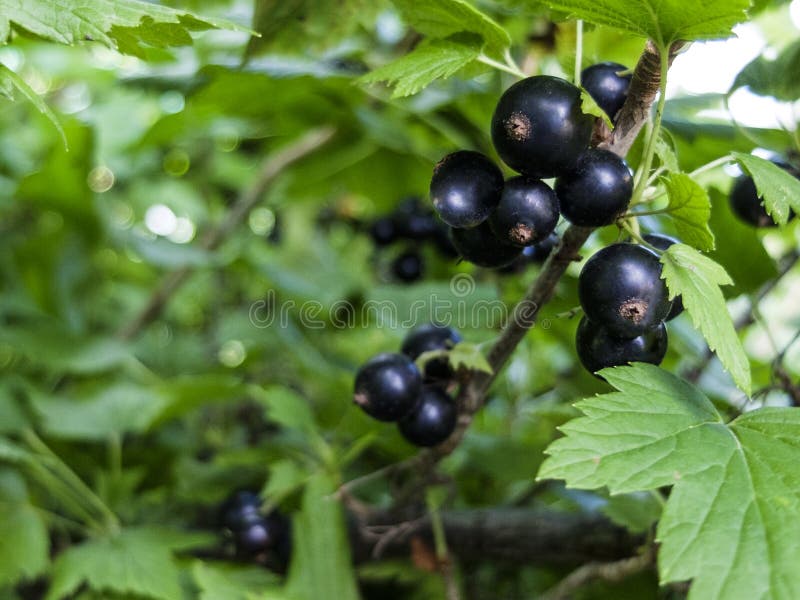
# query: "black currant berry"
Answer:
x=620 y=288
x=257 y=537
x=432 y=421
x=597 y=191
x=662 y=242
x=598 y=348
x=408 y=267
x=535 y=254
x=481 y=247
x=527 y=212
x=426 y=338
x=383 y=231
x=538 y=128
x=465 y=187
x=443 y=243
x=605 y=84
x=418 y=227
x=240 y=509
x=387 y=386
x=748 y=205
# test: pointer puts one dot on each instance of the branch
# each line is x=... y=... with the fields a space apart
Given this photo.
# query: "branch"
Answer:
x=613 y=572
x=512 y=535
x=271 y=168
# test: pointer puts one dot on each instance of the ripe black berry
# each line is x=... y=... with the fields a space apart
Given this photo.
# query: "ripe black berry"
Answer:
x=527 y=212
x=383 y=231
x=535 y=254
x=432 y=421
x=408 y=266
x=748 y=205
x=257 y=537
x=240 y=509
x=598 y=348
x=608 y=88
x=662 y=242
x=597 y=191
x=480 y=246
x=465 y=187
x=620 y=287
x=387 y=386
x=538 y=128
x=431 y=337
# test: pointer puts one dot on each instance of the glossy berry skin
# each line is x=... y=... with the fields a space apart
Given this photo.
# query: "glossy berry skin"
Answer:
x=432 y=421
x=598 y=348
x=620 y=288
x=426 y=338
x=254 y=539
x=606 y=86
x=481 y=247
x=408 y=267
x=465 y=187
x=387 y=386
x=538 y=128
x=535 y=254
x=240 y=509
x=527 y=212
x=662 y=242
x=747 y=204
x=597 y=191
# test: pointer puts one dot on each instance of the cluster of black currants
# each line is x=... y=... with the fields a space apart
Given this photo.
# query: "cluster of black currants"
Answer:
x=748 y=205
x=539 y=130
x=390 y=387
x=254 y=534
x=410 y=223
x=625 y=304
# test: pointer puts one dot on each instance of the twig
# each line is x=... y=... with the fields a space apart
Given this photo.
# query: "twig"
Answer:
x=614 y=571
x=271 y=168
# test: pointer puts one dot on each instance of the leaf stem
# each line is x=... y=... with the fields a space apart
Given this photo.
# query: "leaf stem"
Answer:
x=709 y=166
x=508 y=68
x=650 y=147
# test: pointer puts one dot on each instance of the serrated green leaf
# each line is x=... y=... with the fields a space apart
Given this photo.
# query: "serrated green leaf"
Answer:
x=321 y=566
x=663 y=21
x=779 y=189
x=732 y=521
x=590 y=107
x=431 y=60
x=777 y=78
x=125 y=25
x=443 y=18
x=9 y=80
x=235 y=582
x=666 y=153
x=468 y=356
x=690 y=208
x=135 y=561
x=697 y=279
x=25 y=546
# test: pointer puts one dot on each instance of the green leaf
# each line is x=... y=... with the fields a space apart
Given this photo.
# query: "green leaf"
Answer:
x=25 y=547
x=666 y=153
x=732 y=520
x=135 y=561
x=117 y=409
x=779 y=189
x=235 y=582
x=285 y=476
x=468 y=356
x=777 y=78
x=443 y=18
x=288 y=409
x=321 y=565
x=9 y=80
x=126 y=25
x=590 y=107
x=663 y=21
x=697 y=279
x=431 y=60
x=690 y=208
x=636 y=511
